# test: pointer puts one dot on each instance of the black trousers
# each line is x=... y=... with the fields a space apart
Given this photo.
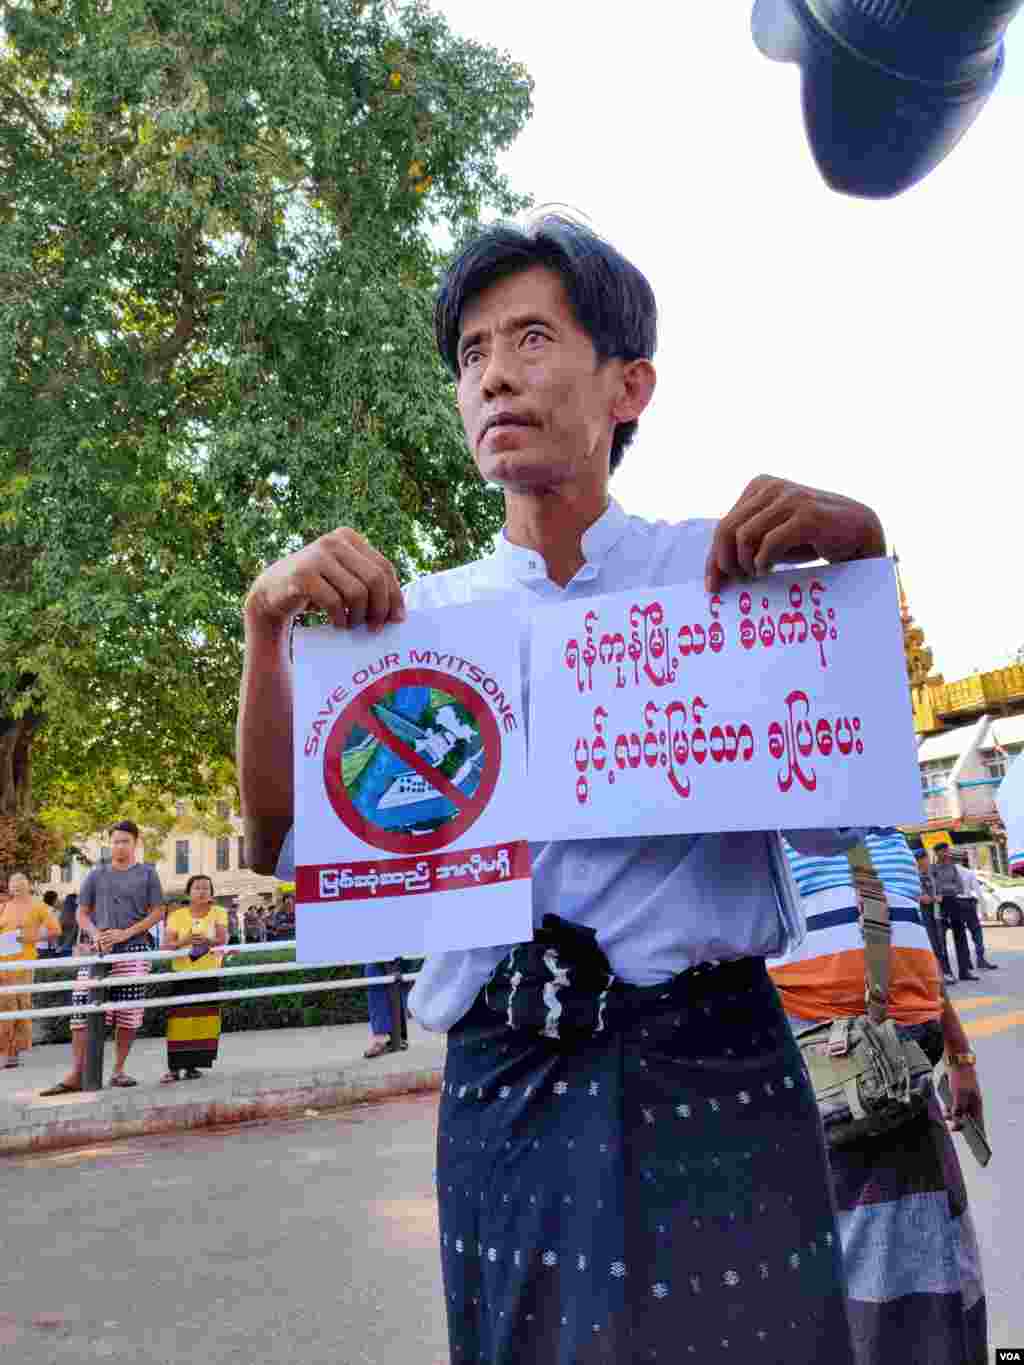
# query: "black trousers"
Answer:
x=972 y=922
x=952 y=914
x=936 y=936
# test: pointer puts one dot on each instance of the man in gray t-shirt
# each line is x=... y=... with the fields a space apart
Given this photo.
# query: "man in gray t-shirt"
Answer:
x=947 y=888
x=119 y=898
x=931 y=915
x=118 y=905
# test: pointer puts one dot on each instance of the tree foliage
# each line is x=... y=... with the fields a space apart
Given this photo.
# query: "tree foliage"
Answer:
x=74 y=807
x=218 y=229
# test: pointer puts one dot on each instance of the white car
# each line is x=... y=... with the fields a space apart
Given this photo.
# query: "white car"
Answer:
x=1003 y=901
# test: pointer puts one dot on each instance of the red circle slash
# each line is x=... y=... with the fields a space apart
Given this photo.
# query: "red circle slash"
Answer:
x=359 y=713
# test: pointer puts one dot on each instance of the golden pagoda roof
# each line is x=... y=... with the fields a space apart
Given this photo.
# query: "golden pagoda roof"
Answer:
x=918 y=654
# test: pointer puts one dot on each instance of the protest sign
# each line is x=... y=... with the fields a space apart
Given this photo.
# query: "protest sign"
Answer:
x=1010 y=801
x=779 y=705
x=410 y=769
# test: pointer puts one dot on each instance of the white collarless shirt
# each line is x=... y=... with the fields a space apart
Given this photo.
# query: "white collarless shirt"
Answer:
x=659 y=905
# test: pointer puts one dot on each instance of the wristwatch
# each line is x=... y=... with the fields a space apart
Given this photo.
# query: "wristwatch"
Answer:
x=961 y=1059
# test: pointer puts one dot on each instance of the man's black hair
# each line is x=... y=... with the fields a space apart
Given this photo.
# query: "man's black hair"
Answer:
x=198 y=877
x=610 y=298
x=50 y=898
x=126 y=827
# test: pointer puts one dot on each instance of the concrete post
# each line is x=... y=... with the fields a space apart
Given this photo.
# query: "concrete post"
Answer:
x=396 y=998
x=95 y=1035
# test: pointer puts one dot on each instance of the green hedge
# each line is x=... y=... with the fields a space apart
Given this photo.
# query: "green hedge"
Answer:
x=289 y=1010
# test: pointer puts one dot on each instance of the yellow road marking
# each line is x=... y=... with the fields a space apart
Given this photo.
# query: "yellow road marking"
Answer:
x=976 y=1002
x=996 y=1023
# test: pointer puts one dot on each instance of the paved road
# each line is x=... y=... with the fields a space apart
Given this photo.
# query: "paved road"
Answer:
x=306 y=1241
x=314 y=1241
x=993 y=1014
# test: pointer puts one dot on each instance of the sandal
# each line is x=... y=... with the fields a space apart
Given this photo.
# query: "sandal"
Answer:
x=120 y=1080
x=61 y=1088
x=169 y=1077
x=378 y=1048
x=193 y=1075
x=11 y=1063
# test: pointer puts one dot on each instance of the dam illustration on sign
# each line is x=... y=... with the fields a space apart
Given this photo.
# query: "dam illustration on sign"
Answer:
x=413 y=761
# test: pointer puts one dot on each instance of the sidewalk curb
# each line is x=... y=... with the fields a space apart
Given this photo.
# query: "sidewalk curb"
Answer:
x=48 y=1129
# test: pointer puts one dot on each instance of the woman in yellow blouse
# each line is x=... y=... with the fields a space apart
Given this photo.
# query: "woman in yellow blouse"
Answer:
x=31 y=921
x=193 y=1031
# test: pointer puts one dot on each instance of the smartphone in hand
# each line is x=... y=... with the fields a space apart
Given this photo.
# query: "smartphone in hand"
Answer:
x=972 y=1131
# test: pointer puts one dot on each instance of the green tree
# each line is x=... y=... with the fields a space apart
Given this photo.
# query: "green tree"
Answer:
x=218 y=228
x=75 y=807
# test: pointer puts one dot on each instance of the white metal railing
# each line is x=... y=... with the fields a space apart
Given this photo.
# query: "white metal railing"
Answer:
x=57 y=964
x=54 y=986
x=110 y=982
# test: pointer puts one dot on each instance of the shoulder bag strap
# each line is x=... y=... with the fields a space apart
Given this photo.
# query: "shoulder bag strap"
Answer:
x=787 y=896
x=877 y=931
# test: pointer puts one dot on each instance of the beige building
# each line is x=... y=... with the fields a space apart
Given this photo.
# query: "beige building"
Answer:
x=970 y=732
x=186 y=851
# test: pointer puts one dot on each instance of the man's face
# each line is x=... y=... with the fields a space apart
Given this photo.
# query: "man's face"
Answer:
x=122 y=848
x=536 y=407
x=945 y=854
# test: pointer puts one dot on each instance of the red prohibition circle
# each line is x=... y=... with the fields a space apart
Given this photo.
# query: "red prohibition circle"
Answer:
x=394 y=841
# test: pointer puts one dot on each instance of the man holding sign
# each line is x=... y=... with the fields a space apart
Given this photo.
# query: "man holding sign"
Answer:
x=641 y=1176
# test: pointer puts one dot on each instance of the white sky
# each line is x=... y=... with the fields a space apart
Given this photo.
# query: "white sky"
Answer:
x=861 y=347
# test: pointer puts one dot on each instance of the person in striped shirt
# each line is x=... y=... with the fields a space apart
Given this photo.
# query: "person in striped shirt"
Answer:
x=909 y=1248
x=824 y=977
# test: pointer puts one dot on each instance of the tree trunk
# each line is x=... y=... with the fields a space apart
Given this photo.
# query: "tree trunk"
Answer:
x=25 y=845
x=16 y=764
